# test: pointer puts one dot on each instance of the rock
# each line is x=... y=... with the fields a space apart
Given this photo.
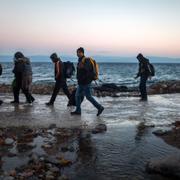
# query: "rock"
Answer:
x=63 y=162
x=46 y=146
x=8 y=178
x=12 y=173
x=2 y=141
x=50 y=177
x=52 y=126
x=9 y=141
x=55 y=170
x=177 y=124
x=167 y=166
x=100 y=128
x=64 y=149
x=160 y=132
x=63 y=178
x=11 y=154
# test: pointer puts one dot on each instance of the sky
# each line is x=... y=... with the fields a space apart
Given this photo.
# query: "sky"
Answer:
x=102 y=27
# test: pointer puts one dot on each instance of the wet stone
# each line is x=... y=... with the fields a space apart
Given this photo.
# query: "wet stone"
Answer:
x=100 y=128
x=160 y=132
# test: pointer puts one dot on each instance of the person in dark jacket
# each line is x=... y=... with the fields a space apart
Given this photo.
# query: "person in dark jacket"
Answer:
x=23 y=77
x=143 y=73
x=59 y=78
x=84 y=84
x=0 y=75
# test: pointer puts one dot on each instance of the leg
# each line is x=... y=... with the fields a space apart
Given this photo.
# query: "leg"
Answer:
x=78 y=96
x=27 y=94
x=16 y=89
x=78 y=99
x=142 y=87
x=88 y=94
x=1 y=102
x=90 y=98
x=55 y=91
x=65 y=90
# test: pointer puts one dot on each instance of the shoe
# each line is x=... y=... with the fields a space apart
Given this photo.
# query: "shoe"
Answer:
x=143 y=100
x=1 y=102
x=75 y=113
x=32 y=99
x=49 y=104
x=100 y=110
x=14 y=102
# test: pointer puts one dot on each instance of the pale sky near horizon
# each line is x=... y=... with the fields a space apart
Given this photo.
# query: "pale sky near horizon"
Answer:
x=102 y=27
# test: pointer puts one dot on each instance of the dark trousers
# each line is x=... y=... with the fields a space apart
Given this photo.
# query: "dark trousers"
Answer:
x=58 y=86
x=16 y=90
x=142 y=87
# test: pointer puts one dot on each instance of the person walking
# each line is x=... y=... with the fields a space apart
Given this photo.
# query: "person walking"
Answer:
x=0 y=75
x=59 y=78
x=84 y=78
x=145 y=72
x=23 y=77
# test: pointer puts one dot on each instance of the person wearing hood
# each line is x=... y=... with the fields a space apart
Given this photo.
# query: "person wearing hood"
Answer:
x=23 y=77
x=143 y=73
x=59 y=78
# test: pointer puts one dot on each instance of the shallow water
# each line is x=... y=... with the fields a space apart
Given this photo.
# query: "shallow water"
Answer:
x=120 y=153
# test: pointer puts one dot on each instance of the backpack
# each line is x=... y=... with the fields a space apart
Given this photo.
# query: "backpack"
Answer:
x=94 y=73
x=151 y=69
x=68 y=69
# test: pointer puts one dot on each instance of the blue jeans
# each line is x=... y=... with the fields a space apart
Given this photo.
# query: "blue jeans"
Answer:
x=85 y=90
x=142 y=87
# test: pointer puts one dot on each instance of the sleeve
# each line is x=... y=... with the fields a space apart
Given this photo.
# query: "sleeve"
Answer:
x=139 y=70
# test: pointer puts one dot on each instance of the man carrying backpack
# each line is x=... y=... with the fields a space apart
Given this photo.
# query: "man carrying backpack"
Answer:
x=59 y=78
x=146 y=70
x=0 y=75
x=85 y=73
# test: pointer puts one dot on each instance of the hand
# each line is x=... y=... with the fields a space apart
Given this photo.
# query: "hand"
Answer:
x=135 y=77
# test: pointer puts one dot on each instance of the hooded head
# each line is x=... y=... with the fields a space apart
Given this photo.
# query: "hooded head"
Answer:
x=18 y=55
x=54 y=57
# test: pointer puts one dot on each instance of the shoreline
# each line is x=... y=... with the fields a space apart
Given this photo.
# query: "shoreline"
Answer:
x=107 y=89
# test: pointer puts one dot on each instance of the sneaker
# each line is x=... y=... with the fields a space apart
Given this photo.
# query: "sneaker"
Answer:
x=14 y=102
x=75 y=113
x=32 y=99
x=49 y=104
x=143 y=100
x=100 y=110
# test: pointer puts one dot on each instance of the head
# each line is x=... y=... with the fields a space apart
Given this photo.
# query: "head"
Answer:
x=80 y=52
x=18 y=55
x=140 y=57
x=54 y=57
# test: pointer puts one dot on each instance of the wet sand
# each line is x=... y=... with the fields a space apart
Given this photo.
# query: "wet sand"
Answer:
x=120 y=153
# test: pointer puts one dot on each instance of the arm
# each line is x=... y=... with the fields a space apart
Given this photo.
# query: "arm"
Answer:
x=59 y=67
x=139 y=72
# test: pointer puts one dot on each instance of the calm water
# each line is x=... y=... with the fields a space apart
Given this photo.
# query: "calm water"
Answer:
x=119 y=154
x=119 y=73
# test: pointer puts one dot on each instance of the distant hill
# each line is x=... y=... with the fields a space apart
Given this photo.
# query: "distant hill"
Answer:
x=106 y=59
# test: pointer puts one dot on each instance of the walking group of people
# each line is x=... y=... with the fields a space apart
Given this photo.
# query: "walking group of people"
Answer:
x=87 y=71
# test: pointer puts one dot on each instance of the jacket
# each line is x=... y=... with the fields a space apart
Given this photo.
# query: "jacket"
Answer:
x=83 y=72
